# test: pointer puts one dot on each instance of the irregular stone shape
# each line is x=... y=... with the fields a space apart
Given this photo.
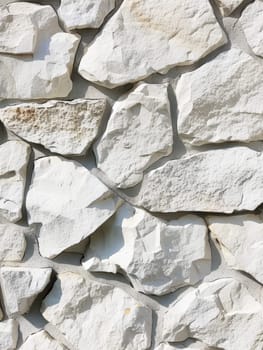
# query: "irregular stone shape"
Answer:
x=214 y=108
x=228 y=6
x=220 y=313
x=96 y=316
x=14 y=156
x=65 y=127
x=84 y=13
x=158 y=256
x=41 y=341
x=46 y=73
x=8 y=335
x=139 y=132
x=174 y=33
x=69 y=202
x=213 y=181
x=188 y=345
x=251 y=21
x=20 y=287
x=241 y=241
x=12 y=242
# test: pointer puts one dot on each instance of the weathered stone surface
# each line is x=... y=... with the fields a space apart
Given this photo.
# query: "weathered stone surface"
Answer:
x=222 y=100
x=251 y=21
x=20 y=287
x=65 y=127
x=8 y=335
x=14 y=156
x=46 y=73
x=68 y=201
x=41 y=341
x=241 y=241
x=84 y=13
x=12 y=242
x=139 y=132
x=220 y=313
x=158 y=256
x=188 y=345
x=212 y=181
x=97 y=316
x=173 y=32
x=228 y=6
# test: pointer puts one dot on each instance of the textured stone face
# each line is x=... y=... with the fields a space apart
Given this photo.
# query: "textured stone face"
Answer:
x=41 y=341
x=12 y=242
x=185 y=346
x=65 y=127
x=228 y=6
x=76 y=305
x=68 y=201
x=158 y=256
x=8 y=335
x=173 y=32
x=222 y=100
x=139 y=132
x=212 y=181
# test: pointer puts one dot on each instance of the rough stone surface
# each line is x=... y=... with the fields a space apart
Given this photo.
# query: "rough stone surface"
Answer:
x=8 y=335
x=46 y=73
x=139 y=132
x=12 y=242
x=213 y=181
x=220 y=313
x=41 y=341
x=97 y=316
x=251 y=21
x=65 y=127
x=75 y=205
x=188 y=345
x=222 y=100
x=241 y=241
x=228 y=6
x=14 y=156
x=84 y=13
x=20 y=287
x=174 y=33
x=158 y=256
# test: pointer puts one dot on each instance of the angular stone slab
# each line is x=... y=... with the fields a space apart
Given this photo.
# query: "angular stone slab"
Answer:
x=41 y=341
x=12 y=242
x=139 y=132
x=214 y=181
x=174 y=33
x=157 y=256
x=69 y=202
x=8 y=335
x=65 y=127
x=228 y=6
x=96 y=316
x=14 y=156
x=222 y=100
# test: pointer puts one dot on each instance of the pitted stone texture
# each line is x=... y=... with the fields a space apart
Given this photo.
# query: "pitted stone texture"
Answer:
x=251 y=21
x=222 y=100
x=96 y=316
x=139 y=132
x=8 y=335
x=68 y=201
x=213 y=181
x=20 y=287
x=46 y=73
x=14 y=156
x=220 y=313
x=41 y=341
x=240 y=239
x=84 y=13
x=174 y=33
x=157 y=256
x=65 y=127
x=12 y=242
x=228 y=6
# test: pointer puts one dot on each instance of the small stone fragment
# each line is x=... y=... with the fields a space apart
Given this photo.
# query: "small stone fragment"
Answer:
x=222 y=100
x=228 y=6
x=84 y=13
x=68 y=201
x=41 y=341
x=157 y=256
x=251 y=21
x=12 y=242
x=97 y=316
x=220 y=180
x=139 y=132
x=220 y=313
x=65 y=127
x=20 y=287
x=14 y=157
x=174 y=33
x=8 y=335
